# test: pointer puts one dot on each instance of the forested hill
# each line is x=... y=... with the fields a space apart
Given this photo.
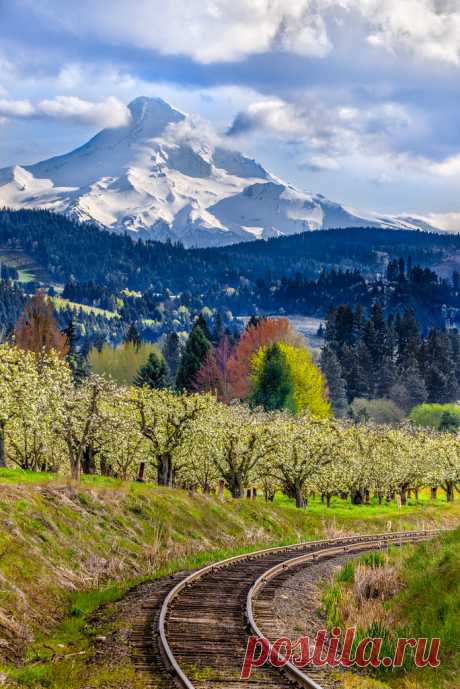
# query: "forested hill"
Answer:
x=163 y=287
x=66 y=250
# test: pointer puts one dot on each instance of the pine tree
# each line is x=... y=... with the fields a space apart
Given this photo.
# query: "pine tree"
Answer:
x=192 y=358
x=416 y=388
x=344 y=325
x=336 y=384
x=218 y=330
x=273 y=387
x=133 y=336
x=386 y=378
x=75 y=358
x=201 y=322
x=154 y=373
x=171 y=352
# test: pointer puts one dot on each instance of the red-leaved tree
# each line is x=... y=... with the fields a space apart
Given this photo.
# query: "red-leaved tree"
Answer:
x=37 y=330
x=263 y=333
x=213 y=375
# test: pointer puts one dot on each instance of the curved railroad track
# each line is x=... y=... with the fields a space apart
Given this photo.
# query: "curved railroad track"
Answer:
x=205 y=620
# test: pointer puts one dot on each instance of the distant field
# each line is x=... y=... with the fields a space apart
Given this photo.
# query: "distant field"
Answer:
x=28 y=269
x=61 y=303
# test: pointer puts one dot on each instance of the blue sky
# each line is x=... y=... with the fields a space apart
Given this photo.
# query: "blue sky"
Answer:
x=355 y=99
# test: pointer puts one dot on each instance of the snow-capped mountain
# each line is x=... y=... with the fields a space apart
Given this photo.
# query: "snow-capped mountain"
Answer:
x=160 y=177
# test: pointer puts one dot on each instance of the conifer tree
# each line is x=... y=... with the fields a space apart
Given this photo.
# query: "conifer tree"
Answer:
x=171 y=352
x=154 y=373
x=273 y=386
x=193 y=357
x=75 y=359
x=133 y=336
x=336 y=384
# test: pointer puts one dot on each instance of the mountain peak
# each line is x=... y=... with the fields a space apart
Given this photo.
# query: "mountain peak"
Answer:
x=153 y=111
x=141 y=180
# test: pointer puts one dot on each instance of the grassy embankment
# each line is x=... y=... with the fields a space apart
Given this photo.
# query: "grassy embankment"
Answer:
x=66 y=549
x=412 y=593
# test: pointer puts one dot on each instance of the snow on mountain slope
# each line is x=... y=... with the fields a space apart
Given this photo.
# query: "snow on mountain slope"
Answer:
x=159 y=177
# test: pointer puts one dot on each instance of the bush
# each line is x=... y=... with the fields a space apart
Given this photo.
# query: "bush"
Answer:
x=380 y=411
x=434 y=415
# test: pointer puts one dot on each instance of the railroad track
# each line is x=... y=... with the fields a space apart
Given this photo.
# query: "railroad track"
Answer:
x=205 y=620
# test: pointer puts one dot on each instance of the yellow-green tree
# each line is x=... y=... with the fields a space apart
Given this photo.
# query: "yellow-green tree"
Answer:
x=120 y=363
x=308 y=387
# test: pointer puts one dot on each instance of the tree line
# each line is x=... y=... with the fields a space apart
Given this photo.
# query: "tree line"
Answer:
x=377 y=357
x=53 y=420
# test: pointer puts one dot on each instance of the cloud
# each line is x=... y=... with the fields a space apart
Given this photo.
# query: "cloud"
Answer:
x=426 y=28
x=208 y=31
x=445 y=221
x=449 y=167
x=327 y=131
x=108 y=113
x=16 y=108
x=219 y=31
x=320 y=164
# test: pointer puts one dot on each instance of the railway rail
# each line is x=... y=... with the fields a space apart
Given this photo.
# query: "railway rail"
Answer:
x=206 y=618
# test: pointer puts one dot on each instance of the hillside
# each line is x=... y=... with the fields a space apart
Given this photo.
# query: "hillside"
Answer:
x=416 y=594
x=163 y=286
x=62 y=539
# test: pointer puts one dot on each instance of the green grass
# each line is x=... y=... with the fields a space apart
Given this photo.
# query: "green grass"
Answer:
x=428 y=606
x=69 y=547
x=60 y=303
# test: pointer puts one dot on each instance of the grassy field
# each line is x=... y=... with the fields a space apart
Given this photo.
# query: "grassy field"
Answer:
x=415 y=594
x=60 y=303
x=66 y=548
x=27 y=268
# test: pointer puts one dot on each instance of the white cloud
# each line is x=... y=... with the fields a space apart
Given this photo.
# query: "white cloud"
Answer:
x=328 y=131
x=218 y=30
x=445 y=221
x=449 y=167
x=320 y=164
x=427 y=28
x=16 y=108
x=215 y=30
x=108 y=113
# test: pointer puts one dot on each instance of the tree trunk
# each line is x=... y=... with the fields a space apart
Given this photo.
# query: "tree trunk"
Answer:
x=434 y=492
x=165 y=471
x=403 y=496
x=89 y=460
x=450 y=491
x=141 y=472
x=235 y=486
x=380 y=497
x=328 y=499
x=106 y=467
x=356 y=497
x=300 y=501
x=75 y=470
x=2 y=446
x=416 y=493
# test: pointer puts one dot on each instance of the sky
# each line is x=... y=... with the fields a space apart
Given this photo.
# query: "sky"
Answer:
x=354 y=99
